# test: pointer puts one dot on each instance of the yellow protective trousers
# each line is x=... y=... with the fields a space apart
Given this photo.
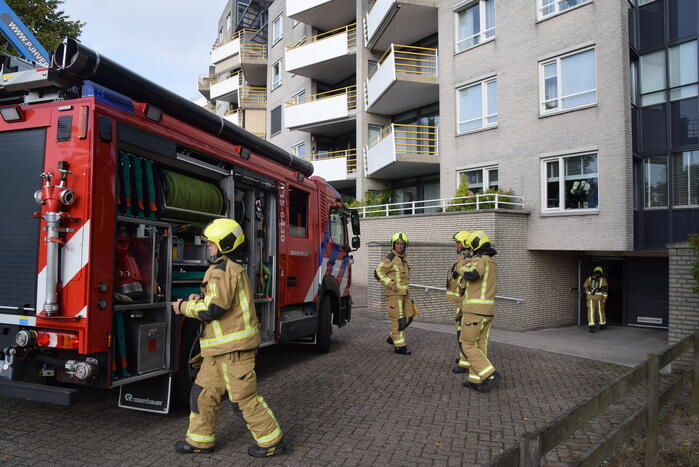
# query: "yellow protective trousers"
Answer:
x=595 y=309
x=463 y=361
x=475 y=332
x=232 y=373
x=400 y=312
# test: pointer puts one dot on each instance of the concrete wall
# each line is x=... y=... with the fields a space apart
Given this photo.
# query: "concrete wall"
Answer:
x=522 y=136
x=543 y=279
x=683 y=302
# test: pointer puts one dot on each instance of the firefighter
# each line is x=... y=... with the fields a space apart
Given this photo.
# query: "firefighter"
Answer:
x=394 y=272
x=478 y=281
x=463 y=255
x=596 y=290
x=229 y=341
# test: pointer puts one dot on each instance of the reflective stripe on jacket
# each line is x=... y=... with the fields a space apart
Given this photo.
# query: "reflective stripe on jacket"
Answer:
x=479 y=296
x=453 y=289
x=394 y=269
x=227 y=310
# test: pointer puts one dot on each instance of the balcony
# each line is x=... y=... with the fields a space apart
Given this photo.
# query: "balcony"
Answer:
x=402 y=21
x=329 y=113
x=402 y=151
x=234 y=116
x=339 y=168
x=328 y=57
x=204 y=85
x=231 y=88
x=240 y=51
x=404 y=78
x=323 y=14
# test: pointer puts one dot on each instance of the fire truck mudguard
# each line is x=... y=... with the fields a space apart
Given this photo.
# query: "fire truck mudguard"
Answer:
x=82 y=63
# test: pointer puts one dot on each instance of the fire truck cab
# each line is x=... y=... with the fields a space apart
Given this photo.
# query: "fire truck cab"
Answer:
x=110 y=180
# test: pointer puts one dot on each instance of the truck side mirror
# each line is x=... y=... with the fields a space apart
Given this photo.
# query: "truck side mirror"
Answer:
x=354 y=215
x=355 y=243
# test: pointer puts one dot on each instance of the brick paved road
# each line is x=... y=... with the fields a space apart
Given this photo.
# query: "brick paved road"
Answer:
x=358 y=405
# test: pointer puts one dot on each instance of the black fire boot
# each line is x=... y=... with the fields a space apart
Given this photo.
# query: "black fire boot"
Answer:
x=389 y=341
x=490 y=382
x=402 y=350
x=256 y=451
x=591 y=328
x=459 y=369
x=470 y=385
x=183 y=447
x=602 y=326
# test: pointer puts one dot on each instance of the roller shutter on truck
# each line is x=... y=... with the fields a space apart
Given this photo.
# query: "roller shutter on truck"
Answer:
x=22 y=159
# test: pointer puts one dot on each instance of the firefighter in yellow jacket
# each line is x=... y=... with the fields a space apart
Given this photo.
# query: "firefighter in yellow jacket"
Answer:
x=596 y=289
x=478 y=282
x=463 y=256
x=394 y=273
x=229 y=341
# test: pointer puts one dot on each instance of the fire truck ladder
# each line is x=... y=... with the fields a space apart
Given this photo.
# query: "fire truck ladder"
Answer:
x=21 y=38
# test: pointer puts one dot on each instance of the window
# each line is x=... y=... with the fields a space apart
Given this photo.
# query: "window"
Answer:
x=479 y=178
x=634 y=82
x=477 y=106
x=475 y=24
x=576 y=189
x=277 y=30
x=229 y=22
x=683 y=70
x=298 y=98
x=373 y=132
x=550 y=7
x=299 y=149
x=685 y=179
x=337 y=229
x=276 y=120
x=683 y=18
x=655 y=182
x=568 y=82
x=277 y=75
x=298 y=213
x=652 y=67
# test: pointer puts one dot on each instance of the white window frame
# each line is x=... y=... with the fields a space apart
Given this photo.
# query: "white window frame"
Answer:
x=486 y=175
x=483 y=38
x=278 y=65
x=559 y=85
x=556 y=8
x=484 y=106
x=561 y=183
x=295 y=147
x=281 y=29
x=297 y=95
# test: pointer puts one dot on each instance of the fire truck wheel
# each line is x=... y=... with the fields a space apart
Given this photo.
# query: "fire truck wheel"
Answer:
x=184 y=378
x=324 y=324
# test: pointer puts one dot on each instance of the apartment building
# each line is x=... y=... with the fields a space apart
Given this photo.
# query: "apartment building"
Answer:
x=587 y=109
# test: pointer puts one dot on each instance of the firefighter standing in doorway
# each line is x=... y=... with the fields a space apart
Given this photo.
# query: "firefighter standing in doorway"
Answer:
x=394 y=272
x=229 y=341
x=596 y=290
x=478 y=281
x=463 y=256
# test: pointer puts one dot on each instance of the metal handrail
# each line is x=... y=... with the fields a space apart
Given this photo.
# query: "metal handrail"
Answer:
x=205 y=81
x=350 y=154
x=443 y=289
x=410 y=139
x=410 y=59
x=253 y=50
x=350 y=29
x=480 y=201
x=232 y=37
x=231 y=75
x=252 y=95
x=351 y=92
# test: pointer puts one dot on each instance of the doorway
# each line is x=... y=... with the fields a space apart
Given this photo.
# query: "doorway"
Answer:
x=614 y=273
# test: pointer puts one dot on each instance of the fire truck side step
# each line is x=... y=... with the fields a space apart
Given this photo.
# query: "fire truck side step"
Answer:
x=295 y=324
x=38 y=392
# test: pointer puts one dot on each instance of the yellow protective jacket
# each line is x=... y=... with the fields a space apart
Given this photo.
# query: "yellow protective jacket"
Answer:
x=394 y=269
x=453 y=292
x=479 y=282
x=596 y=289
x=227 y=310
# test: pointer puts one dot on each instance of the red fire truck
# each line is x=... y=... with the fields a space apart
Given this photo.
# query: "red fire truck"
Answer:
x=108 y=180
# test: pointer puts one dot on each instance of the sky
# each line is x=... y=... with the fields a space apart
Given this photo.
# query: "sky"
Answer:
x=166 y=41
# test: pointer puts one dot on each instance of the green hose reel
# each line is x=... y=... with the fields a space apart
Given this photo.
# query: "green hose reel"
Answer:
x=190 y=199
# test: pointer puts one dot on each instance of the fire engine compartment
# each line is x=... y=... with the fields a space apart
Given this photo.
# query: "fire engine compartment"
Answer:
x=160 y=255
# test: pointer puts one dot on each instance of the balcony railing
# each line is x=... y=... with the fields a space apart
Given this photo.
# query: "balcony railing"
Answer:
x=464 y=203
x=410 y=139
x=350 y=91
x=205 y=81
x=232 y=37
x=350 y=30
x=253 y=51
x=409 y=59
x=252 y=95
x=350 y=154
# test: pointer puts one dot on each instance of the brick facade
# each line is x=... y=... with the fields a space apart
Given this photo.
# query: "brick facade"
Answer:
x=683 y=302
x=542 y=278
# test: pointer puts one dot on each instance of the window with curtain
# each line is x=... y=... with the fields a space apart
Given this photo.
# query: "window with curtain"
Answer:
x=550 y=7
x=655 y=189
x=475 y=24
x=576 y=189
x=685 y=179
x=477 y=106
x=569 y=81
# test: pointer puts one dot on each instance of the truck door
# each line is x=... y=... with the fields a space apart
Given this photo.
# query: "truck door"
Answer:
x=300 y=272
